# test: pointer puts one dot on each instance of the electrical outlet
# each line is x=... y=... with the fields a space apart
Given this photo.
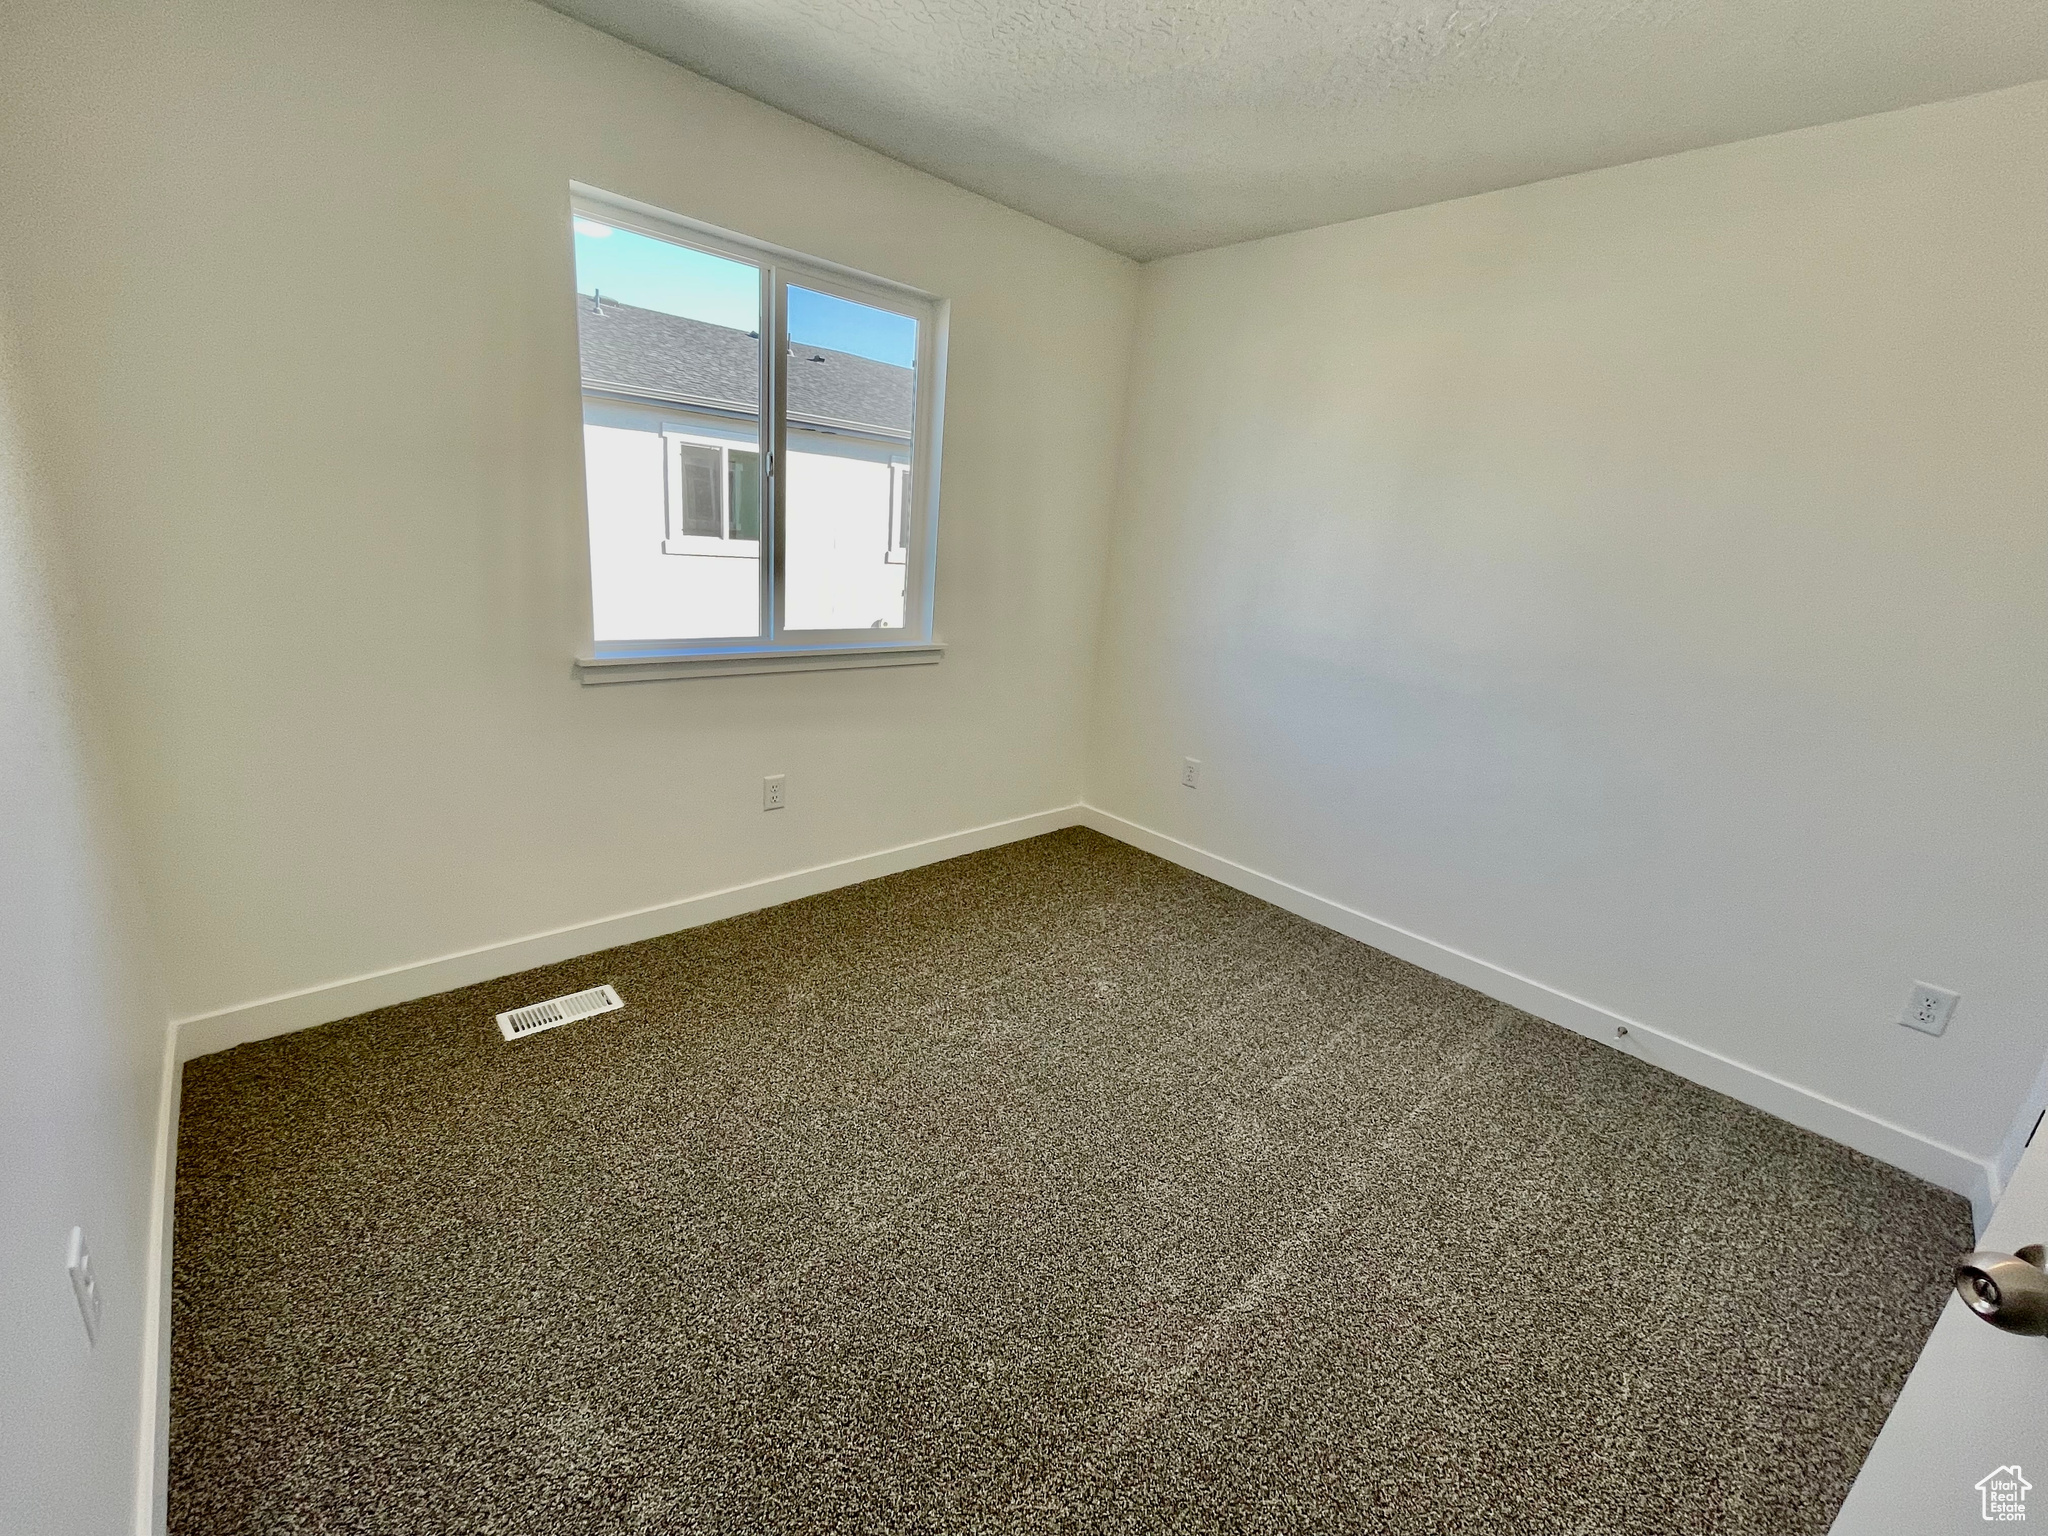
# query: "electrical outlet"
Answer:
x=85 y=1285
x=1191 y=773
x=774 y=792
x=1929 y=1009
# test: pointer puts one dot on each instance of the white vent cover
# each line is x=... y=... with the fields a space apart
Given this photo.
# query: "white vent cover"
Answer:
x=518 y=1023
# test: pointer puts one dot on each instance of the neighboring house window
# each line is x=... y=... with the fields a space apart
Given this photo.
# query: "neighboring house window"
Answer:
x=697 y=491
x=899 y=513
x=717 y=527
x=713 y=494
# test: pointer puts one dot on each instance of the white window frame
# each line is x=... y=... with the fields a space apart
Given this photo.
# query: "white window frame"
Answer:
x=776 y=648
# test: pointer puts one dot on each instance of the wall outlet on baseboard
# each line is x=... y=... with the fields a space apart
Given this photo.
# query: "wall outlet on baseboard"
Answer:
x=85 y=1285
x=1191 y=773
x=774 y=792
x=1929 y=1009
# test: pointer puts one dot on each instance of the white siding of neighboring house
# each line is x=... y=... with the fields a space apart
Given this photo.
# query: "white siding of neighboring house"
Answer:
x=837 y=570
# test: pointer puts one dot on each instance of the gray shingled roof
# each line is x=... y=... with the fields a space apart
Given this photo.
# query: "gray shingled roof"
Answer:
x=645 y=352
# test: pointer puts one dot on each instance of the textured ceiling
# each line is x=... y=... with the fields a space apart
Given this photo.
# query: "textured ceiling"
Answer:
x=1157 y=126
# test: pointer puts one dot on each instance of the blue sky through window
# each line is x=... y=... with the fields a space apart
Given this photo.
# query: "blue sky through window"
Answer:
x=653 y=274
x=821 y=320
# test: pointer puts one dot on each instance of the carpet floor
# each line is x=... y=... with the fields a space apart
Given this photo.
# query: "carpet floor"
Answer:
x=1052 y=1188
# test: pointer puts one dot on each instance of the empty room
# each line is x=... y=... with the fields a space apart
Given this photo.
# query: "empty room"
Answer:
x=1153 y=766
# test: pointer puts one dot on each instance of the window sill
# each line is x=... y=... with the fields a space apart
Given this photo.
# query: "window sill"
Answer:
x=703 y=548
x=741 y=660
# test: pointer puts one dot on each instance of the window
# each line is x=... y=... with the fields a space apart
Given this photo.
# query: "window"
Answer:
x=728 y=537
x=899 y=513
x=713 y=494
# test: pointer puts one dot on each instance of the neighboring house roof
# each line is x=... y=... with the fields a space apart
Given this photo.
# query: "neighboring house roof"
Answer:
x=645 y=352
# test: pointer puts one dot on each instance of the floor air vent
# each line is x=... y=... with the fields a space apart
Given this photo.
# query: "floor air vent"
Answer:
x=518 y=1023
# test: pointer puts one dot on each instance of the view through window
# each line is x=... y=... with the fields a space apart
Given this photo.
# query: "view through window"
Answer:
x=696 y=539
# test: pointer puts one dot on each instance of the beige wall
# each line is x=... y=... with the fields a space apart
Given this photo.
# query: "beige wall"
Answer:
x=82 y=1042
x=296 y=282
x=1637 y=581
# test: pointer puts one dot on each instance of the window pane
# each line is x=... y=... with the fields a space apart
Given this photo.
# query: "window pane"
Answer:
x=696 y=491
x=671 y=353
x=745 y=494
x=852 y=405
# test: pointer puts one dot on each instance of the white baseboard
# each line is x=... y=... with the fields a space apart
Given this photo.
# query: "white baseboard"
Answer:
x=202 y=1034
x=2032 y=1108
x=1949 y=1167
x=153 y=1442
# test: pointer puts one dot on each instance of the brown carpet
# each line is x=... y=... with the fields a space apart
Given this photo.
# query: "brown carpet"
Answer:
x=1049 y=1189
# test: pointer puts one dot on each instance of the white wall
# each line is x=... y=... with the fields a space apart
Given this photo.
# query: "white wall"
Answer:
x=1637 y=581
x=297 y=289
x=82 y=1041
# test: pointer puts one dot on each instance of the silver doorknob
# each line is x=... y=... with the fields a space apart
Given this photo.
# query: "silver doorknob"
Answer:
x=2007 y=1290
